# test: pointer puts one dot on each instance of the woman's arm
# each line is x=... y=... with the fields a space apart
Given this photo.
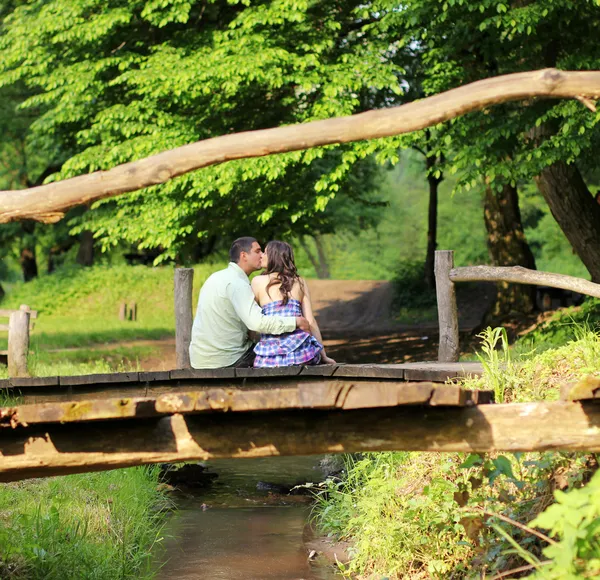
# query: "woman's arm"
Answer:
x=307 y=312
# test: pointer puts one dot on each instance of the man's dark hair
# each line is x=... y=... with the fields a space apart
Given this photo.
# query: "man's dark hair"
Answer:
x=240 y=245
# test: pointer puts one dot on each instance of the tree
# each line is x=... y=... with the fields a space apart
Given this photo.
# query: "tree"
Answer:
x=119 y=81
x=516 y=143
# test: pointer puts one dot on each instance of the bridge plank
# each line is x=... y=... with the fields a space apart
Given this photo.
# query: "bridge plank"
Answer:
x=318 y=370
x=200 y=374
x=390 y=371
x=440 y=372
x=268 y=372
x=55 y=449
x=78 y=411
x=435 y=372
x=103 y=378
x=154 y=376
x=325 y=394
x=33 y=382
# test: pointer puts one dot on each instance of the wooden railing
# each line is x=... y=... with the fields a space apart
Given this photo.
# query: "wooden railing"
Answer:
x=19 y=322
x=446 y=275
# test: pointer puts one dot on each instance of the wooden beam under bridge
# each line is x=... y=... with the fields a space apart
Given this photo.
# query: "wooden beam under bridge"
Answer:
x=46 y=449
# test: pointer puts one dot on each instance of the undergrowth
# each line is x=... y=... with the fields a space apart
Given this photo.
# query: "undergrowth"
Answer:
x=453 y=515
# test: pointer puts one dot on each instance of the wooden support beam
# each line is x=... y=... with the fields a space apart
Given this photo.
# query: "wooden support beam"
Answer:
x=18 y=343
x=49 y=202
x=55 y=449
x=448 y=350
x=184 y=281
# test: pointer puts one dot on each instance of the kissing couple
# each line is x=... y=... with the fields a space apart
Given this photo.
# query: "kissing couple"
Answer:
x=276 y=306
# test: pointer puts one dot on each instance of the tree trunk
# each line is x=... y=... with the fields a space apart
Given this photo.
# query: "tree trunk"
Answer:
x=575 y=211
x=508 y=247
x=434 y=183
x=319 y=261
x=323 y=268
x=85 y=254
x=28 y=263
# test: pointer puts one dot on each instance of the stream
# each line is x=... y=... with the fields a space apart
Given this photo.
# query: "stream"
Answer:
x=233 y=531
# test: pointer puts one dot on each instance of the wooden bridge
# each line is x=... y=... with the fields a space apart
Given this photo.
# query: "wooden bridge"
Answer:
x=76 y=424
x=95 y=422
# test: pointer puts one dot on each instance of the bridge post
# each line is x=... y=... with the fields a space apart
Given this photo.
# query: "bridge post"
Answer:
x=18 y=343
x=184 y=281
x=447 y=309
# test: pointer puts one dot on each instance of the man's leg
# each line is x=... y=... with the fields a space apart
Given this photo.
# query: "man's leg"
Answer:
x=246 y=360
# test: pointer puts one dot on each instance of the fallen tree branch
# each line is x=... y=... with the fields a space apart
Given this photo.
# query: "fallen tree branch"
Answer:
x=47 y=203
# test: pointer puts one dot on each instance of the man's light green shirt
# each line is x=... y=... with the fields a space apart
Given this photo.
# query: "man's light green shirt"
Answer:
x=226 y=311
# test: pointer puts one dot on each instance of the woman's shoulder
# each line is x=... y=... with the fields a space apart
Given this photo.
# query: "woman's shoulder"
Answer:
x=259 y=281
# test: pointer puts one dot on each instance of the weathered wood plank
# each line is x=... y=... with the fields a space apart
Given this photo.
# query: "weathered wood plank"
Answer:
x=440 y=372
x=154 y=376
x=103 y=378
x=272 y=372
x=389 y=371
x=319 y=394
x=318 y=370
x=79 y=411
x=201 y=374
x=32 y=382
x=45 y=450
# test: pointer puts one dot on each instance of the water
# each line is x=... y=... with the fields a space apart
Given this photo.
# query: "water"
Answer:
x=232 y=531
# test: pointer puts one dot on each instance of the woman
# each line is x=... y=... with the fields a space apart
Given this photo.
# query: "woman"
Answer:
x=281 y=292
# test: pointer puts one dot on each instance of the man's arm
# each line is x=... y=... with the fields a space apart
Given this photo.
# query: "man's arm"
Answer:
x=242 y=298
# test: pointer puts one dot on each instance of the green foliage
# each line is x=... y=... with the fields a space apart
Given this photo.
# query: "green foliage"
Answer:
x=455 y=515
x=97 y=525
x=562 y=327
x=113 y=83
x=575 y=519
x=495 y=363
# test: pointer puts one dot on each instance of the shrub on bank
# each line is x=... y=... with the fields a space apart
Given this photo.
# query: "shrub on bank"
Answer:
x=95 y=525
x=452 y=515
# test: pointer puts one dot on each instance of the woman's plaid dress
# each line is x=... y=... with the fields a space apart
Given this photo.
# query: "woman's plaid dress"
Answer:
x=292 y=348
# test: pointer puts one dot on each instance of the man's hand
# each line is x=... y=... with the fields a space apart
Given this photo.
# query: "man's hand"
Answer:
x=302 y=323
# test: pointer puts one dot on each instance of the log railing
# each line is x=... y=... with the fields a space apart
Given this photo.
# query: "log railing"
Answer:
x=446 y=275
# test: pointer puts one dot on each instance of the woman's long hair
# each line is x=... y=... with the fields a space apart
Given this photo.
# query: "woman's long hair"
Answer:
x=281 y=262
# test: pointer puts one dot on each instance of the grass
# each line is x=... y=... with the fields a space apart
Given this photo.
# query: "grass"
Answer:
x=94 y=526
x=97 y=526
x=79 y=307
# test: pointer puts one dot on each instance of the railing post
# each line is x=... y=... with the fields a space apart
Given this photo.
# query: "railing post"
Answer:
x=184 y=280
x=447 y=309
x=18 y=343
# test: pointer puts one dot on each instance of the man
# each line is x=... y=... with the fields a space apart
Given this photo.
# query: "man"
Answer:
x=227 y=310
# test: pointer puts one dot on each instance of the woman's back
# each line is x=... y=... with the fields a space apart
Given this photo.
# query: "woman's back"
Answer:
x=266 y=293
